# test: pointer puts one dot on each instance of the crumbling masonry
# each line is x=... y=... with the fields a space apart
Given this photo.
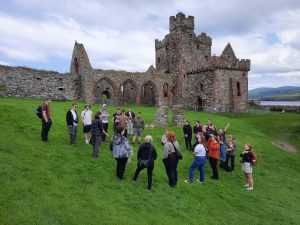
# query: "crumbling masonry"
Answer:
x=186 y=75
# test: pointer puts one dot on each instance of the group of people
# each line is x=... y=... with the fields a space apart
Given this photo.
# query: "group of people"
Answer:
x=208 y=143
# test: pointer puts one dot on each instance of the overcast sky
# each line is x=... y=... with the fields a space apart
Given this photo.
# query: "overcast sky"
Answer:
x=120 y=34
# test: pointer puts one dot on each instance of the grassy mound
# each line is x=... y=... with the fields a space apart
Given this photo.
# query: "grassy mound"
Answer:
x=54 y=183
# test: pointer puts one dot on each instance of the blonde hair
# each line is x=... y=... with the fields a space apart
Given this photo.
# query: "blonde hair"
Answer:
x=148 y=138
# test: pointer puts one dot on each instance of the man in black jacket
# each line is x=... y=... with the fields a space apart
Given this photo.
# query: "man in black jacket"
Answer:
x=187 y=131
x=97 y=132
x=72 y=122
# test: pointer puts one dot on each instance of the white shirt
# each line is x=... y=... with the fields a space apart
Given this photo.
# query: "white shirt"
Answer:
x=199 y=150
x=74 y=117
x=86 y=117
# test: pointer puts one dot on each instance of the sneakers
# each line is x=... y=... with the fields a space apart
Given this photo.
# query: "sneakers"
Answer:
x=87 y=142
x=200 y=182
x=187 y=181
x=249 y=188
x=246 y=185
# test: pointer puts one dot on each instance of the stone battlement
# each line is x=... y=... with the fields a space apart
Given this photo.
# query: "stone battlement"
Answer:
x=204 y=39
x=181 y=22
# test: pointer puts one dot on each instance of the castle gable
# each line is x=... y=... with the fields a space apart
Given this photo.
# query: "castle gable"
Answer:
x=228 y=52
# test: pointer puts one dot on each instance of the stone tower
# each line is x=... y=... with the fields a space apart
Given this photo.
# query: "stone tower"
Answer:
x=80 y=68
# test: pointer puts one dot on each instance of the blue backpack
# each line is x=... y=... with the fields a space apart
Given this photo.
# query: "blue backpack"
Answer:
x=39 y=113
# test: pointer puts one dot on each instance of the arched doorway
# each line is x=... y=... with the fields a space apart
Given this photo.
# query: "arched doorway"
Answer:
x=105 y=92
x=128 y=92
x=199 y=104
x=148 y=93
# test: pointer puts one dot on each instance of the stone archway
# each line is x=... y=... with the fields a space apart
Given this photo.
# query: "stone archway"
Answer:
x=128 y=92
x=105 y=92
x=149 y=94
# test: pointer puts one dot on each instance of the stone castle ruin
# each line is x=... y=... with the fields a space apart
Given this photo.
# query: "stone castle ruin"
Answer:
x=186 y=75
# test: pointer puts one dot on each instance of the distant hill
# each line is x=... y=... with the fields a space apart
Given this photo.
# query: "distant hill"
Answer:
x=287 y=93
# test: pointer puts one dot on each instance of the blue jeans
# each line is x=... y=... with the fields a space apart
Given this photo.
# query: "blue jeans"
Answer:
x=199 y=163
x=223 y=152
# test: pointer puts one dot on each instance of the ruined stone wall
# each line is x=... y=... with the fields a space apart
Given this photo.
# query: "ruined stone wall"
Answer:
x=199 y=85
x=29 y=83
x=227 y=97
x=112 y=81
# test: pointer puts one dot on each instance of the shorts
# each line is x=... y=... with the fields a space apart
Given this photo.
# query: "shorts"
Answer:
x=247 y=167
x=87 y=128
x=138 y=131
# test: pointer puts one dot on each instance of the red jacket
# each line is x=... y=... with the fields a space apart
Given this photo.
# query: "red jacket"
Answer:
x=213 y=149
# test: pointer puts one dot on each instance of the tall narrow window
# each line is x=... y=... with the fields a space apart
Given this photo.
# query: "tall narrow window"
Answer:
x=166 y=90
x=198 y=46
x=76 y=65
x=122 y=91
x=238 y=87
x=201 y=87
x=158 y=60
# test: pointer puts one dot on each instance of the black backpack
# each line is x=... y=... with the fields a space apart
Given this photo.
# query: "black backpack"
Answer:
x=38 y=112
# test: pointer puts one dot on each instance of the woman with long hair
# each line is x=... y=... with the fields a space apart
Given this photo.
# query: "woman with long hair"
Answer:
x=247 y=159
x=170 y=159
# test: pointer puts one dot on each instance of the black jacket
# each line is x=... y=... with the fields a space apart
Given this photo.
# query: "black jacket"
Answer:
x=144 y=153
x=132 y=114
x=187 y=129
x=197 y=130
x=96 y=127
x=69 y=118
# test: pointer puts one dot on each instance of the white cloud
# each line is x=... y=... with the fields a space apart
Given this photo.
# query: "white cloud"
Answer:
x=120 y=34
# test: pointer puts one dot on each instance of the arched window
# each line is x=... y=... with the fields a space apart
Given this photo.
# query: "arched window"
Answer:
x=238 y=87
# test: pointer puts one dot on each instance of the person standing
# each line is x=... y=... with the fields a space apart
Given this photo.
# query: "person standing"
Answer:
x=97 y=133
x=72 y=122
x=199 y=161
x=121 y=151
x=197 y=128
x=116 y=115
x=223 y=146
x=123 y=122
x=138 y=127
x=131 y=117
x=46 y=120
x=169 y=158
x=187 y=131
x=230 y=154
x=146 y=152
x=247 y=159
x=86 y=119
x=213 y=153
x=104 y=118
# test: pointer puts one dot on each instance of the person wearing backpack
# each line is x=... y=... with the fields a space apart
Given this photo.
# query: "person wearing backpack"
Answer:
x=46 y=120
x=146 y=156
x=247 y=160
x=121 y=151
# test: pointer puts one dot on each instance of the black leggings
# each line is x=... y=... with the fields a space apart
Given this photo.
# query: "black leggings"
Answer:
x=121 y=164
x=149 y=173
x=213 y=163
x=171 y=169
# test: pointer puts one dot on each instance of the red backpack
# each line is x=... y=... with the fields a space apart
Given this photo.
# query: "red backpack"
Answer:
x=254 y=160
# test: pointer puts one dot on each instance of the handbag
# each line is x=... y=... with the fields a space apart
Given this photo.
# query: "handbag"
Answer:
x=145 y=162
x=177 y=152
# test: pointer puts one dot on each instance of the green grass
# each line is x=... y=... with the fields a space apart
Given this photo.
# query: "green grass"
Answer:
x=53 y=183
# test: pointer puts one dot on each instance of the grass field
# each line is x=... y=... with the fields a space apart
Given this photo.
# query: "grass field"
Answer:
x=54 y=183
